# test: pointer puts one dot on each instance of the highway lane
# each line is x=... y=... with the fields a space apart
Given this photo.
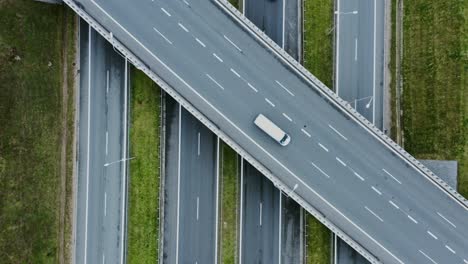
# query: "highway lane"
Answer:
x=271 y=17
x=101 y=202
x=334 y=169
x=359 y=64
x=191 y=186
x=261 y=218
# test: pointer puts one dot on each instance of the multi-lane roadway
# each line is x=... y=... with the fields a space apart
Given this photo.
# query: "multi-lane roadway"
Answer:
x=334 y=164
x=102 y=150
x=191 y=188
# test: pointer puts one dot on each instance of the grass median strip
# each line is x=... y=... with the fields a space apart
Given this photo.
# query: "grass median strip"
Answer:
x=143 y=216
x=34 y=114
x=318 y=59
x=229 y=201
x=434 y=69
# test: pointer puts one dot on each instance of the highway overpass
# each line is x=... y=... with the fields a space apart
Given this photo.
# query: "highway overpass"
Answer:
x=338 y=166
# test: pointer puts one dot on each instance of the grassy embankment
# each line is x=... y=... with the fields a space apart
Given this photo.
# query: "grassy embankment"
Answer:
x=229 y=194
x=318 y=59
x=143 y=223
x=36 y=131
x=434 y=69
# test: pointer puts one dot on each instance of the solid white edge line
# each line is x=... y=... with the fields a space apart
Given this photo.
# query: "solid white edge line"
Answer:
x=107 y=81
x=178 y=184
x=124 y=164
x=373 y=74
x=242 y=132
x=217 y=199
x=279 y=225
x=232 y=43
x=260 y=213
x=105 y=203
x=88 y=145
x=428 y=257
x=198 y=146
x=107 y=142
x=337 y=49
x=241 y=223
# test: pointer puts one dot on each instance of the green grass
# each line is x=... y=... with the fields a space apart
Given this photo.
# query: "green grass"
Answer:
x=229 y=205
x=31 y=36
x=143 y=224
x=318 y=59
x=435 y=119
x=318 y=249
x=318 y=39
x=235 y=3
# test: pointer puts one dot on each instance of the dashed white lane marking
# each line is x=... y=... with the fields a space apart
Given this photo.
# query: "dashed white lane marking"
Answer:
x=232 y=43
x=187 y=3
x=412 y=219
x=252 y=87
x=217 y=57
x=323 y=147
x=198 y=207
x=305 y=132
x=317 y=167
x=450 y=249
x=237 y=74
x=466 y=261
x=429 y=258
x=161 y=34
x=336 y=131
x=269 y=102
x=374 y=214
x=393 y=177
x=213 y=80
x=287 y=117
x=359 y=176
x=200 y=42
x=340 y=161
x=286 y=89
x=432 y=235
x=394 y=204
x=446 y=220
x=167 y=13
x=183 y=27
x=376 y=190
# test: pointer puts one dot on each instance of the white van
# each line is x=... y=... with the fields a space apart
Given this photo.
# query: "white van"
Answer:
x=272 y=130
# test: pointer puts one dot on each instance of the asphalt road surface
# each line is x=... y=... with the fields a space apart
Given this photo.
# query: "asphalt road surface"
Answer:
x=191 y=185
x=101 y=202
x=285 y=240
x=359 y=56
x=333 y=163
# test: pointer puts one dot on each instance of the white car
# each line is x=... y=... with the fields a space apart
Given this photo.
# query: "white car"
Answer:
x=272 y=130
